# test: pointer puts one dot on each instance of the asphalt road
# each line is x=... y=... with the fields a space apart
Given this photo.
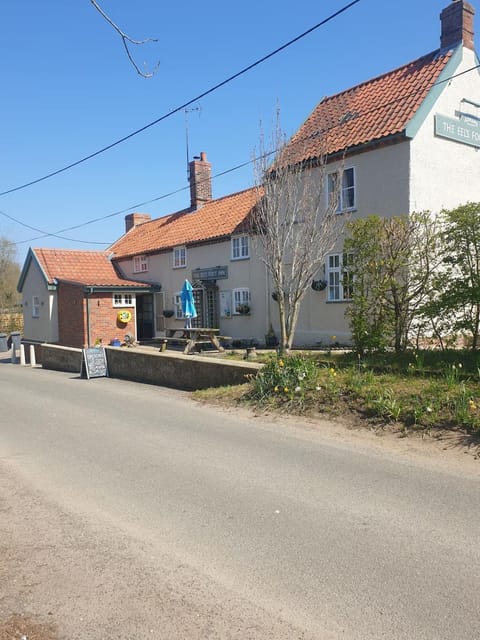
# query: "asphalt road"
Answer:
x=145 y=514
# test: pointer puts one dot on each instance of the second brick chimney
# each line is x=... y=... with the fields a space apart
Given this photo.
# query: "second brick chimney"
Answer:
x=200 y=177
x=457 y=25
x=134 y=219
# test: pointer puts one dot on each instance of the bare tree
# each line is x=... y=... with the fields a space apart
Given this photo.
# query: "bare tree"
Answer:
x=10 y=272
x=292 y=225
x=126 y=40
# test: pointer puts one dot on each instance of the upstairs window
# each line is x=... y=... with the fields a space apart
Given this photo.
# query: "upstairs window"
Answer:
x=179 y=257
x=240 y=247
x=140 y=264
x=341 y=190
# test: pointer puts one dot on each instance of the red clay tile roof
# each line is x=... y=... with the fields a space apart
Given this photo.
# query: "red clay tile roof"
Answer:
x=373 y=110
x=91 y=268
x=216 y=219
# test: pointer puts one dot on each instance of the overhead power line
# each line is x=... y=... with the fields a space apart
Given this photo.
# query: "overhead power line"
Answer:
x=56 y=234
x=185 y=104
x=318 y=133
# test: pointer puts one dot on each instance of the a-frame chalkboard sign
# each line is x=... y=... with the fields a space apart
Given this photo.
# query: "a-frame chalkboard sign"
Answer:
x=94 y=363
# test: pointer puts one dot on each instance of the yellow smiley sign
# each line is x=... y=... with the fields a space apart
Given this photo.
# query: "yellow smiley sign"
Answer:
x=124 y=316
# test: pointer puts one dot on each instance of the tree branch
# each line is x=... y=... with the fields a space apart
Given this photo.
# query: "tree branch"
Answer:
x=127 y=39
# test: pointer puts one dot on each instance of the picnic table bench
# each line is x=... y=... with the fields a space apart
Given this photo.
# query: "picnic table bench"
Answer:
x=193 y=337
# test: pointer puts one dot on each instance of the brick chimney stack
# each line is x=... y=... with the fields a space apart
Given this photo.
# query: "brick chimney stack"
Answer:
x=134 y=219
x=457 y=25
x=200 y=178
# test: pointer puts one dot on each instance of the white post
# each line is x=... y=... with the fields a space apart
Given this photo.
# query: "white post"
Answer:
x=33 y=361
x=22 y=354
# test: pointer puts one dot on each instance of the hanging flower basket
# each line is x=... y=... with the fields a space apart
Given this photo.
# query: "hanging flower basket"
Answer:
x=319 y=285
x=168 y=313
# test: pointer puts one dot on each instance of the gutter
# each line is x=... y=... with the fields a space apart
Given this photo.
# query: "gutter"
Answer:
x=88 y=291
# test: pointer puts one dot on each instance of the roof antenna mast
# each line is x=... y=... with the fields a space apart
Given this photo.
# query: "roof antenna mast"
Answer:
x=187 y=111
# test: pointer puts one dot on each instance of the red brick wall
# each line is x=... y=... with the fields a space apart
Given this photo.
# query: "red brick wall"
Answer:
x=102 y=317
x=71 y=321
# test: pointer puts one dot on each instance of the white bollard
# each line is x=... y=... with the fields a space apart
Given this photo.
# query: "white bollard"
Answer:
x=33 y=361
x=22 y=354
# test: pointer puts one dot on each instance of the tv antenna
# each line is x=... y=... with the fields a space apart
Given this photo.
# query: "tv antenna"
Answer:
x=186 y=112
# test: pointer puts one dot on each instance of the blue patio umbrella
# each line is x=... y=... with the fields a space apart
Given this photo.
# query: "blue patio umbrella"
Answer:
x=188 y=303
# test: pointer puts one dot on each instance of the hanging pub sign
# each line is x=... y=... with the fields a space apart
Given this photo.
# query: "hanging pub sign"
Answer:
x=210 y=273
x=466 y=132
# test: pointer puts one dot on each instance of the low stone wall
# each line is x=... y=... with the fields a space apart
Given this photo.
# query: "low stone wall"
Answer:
x=37 y=346
x=167 y=369
x=53 y=356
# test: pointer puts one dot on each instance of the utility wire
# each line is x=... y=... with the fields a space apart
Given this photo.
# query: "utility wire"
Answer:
x=185 y=104
x=222 y=173
x=117 y=213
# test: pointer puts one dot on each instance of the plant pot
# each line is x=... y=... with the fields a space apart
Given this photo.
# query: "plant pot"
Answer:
x=319 y=285
x=271 y=341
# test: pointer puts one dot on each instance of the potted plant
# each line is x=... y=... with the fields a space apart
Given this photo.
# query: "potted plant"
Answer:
x=243 y=309
x=168 y=313
x=271 y=339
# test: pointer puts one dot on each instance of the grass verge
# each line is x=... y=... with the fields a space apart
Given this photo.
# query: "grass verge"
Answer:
x=419 y=391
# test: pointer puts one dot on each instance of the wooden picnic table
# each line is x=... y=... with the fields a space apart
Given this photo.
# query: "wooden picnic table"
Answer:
x=195 y=336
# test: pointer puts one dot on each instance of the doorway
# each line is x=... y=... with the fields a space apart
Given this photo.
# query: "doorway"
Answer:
x=205 y=295
x=144 y=312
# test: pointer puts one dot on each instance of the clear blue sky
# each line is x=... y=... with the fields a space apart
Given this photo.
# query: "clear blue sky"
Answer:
x=69 y=90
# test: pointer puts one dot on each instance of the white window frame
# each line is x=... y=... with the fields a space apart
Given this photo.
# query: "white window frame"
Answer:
x=120 y=299
x=336 y=265
x=35 y=306
x=240 y=295
x=177 y=305
x=140 y=264
x=240 y=247
x=180 y=257
x=345 y=197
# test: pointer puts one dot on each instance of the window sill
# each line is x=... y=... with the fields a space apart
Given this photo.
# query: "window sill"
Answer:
x=337 y=301
x=241 y=258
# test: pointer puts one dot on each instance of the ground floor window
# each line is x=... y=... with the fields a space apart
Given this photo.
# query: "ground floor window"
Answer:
x=177 y=305
x=339 y=278
x=35 y=306
x=123 y=300
x=241 y=301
